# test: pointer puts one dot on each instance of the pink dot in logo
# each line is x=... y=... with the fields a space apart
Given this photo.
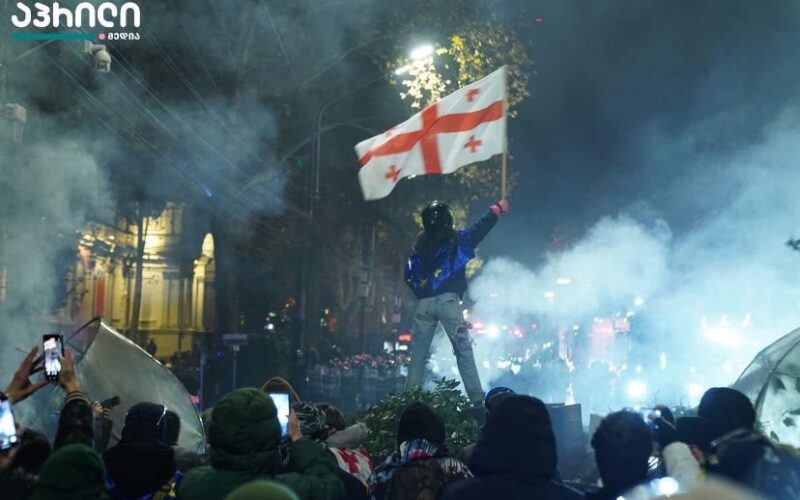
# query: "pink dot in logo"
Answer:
x=101 y=36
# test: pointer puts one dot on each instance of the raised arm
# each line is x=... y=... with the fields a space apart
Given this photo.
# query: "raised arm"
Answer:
x=478 y=231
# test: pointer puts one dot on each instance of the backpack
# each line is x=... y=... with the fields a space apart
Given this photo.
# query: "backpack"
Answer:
x=749 y=457
x=421 y=479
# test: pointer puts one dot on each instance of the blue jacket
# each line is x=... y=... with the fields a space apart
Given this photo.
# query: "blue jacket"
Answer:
x=446 y=272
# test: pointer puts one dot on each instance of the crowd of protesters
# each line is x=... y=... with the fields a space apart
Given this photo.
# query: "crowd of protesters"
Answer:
x=717 y=454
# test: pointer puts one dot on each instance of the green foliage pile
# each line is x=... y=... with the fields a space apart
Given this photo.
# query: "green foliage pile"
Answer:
x=446 y=399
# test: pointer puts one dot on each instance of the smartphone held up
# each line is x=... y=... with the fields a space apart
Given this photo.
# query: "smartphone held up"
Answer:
x=53 y=353
x=8 y=429
x=281 y=400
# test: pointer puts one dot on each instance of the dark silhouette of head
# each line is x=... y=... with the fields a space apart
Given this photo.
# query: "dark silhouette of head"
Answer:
x=517 y=439
x=726 y=410
x=335 y=417
x=622 y=446
x=32 y=452
x=145 y=423
x=437 y=218
x=438 y=230
x=420 y=421
x=495 y=396
x=280 y=384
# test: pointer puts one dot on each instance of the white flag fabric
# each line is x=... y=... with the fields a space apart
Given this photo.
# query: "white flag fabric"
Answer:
x=465 y=127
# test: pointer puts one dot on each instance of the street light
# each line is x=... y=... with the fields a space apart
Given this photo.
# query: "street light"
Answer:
x=421 y=52
x=418 y=55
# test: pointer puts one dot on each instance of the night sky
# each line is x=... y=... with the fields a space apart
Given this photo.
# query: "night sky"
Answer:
x=706 y=76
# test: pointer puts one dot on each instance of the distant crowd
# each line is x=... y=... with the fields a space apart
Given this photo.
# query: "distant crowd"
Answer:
x=719 y=453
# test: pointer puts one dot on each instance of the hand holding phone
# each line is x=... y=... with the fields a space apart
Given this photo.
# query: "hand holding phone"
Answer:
x=67 y=379
x=21 y=386
x=110 y=402
x=294 y=427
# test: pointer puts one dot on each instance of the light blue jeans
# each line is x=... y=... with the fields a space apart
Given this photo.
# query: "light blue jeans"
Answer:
x=444 y=309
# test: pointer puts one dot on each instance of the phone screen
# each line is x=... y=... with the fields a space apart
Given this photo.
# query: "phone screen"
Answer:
x=53 y=347
x=648 y=414
x=281 y=400
x=8 y=431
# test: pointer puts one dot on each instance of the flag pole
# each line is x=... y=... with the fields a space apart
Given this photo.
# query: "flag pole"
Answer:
x=504 y=158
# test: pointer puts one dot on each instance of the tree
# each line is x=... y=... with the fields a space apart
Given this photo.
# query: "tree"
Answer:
x=236 y=110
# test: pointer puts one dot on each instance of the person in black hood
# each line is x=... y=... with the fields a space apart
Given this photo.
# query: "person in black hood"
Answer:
x=622 y=447
x=493 y=398
x=726 y=410
x=515 y=457
x=141 y=464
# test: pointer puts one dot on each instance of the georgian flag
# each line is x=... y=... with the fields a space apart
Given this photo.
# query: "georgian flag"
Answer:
x=356 y=462
x=465 y=127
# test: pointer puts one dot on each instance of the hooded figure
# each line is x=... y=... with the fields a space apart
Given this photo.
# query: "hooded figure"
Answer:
x=73 y=472
x=742 y=453
x=622 y=447
x=280 y=384
x=244 y=436
x=493 y=398
x=421 y=466
x=515 y=457
x=142 y=464
x=726 y=410
x=436 y=273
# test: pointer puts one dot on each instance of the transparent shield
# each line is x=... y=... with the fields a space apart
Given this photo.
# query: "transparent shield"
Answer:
x=108 y=364
x=772 y=382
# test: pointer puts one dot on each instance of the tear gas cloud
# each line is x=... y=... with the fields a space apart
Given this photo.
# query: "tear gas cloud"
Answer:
x=700 y=304
x=109 y=132
x=50 y=191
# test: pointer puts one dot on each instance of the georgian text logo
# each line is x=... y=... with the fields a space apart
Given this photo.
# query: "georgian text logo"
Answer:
x=121 y=21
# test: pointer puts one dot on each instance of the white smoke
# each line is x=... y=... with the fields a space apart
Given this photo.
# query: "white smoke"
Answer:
x=701 y=303
x=617 y=261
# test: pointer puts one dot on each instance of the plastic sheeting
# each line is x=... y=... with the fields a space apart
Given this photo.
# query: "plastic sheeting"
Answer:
x=108 y=364
x=772 y=382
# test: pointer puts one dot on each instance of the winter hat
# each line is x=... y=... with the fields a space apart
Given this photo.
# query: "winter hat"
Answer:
x=245 y=432
x=419 y=421
x=727 y=410
x=262 y=490
x=313 y=421
x=496 y=391
x=145 y=423
x=73 y=472
x=517 y=438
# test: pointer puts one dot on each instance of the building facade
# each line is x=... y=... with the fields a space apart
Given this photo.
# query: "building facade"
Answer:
x=177 y=303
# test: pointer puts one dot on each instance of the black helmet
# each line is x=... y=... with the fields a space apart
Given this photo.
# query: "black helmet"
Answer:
x=437 y=217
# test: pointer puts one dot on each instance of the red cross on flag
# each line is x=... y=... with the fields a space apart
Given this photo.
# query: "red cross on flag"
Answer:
x=465 y=127
x=356 y=462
